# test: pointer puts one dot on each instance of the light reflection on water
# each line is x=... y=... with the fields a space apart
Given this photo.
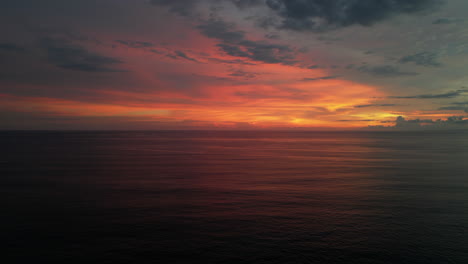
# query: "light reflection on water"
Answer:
x=240 y=197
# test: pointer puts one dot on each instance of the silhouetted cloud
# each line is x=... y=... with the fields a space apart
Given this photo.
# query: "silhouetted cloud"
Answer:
x=315 y=15
x=136 y=44
x=180 y=54
x=358 y=120
x=247 y=3
x=433 y=96
x=243 y=74
x=454 y=122
x=313 y=67
x=427 y=59
x=320 y=78
x=181 y=7
x=452 y=108
x=235 y=43
x=221 y=30
x=460 y=103
x=235 y=61
x=374 y=105
x=385 y=71
x=319 y=14
x=65 y=55
x=272 y=36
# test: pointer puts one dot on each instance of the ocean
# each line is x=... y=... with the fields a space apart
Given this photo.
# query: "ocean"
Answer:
x=234 y=197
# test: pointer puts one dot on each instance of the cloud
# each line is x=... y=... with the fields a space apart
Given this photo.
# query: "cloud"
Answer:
x=180 y=7
x=235 y=61
x=401 y=122
x=278 y=93
x=454 y=108
x=359 y=120
x=243 y=74
x=221 y=30
x=65 y=55
x=247 y=3
x=460 y=103
x=427 y=59
x=433 y=96
x=235 y=43
x=136 y=44
x=374 y=105
x=272 y=36
x=315 y=15
x=320 y=78
x=180 y=54
x=451 y=122
x=11 y=47
x=386 y=71
x=445 y=21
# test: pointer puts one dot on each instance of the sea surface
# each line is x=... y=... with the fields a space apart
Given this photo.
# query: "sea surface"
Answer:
x=234 y=197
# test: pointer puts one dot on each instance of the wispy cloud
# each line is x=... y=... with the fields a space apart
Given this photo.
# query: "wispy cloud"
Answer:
x=434 y=96
x=316 y=15
x=235 y=43
x=427 y=59
x=386 y=71
x=374 y=105
x=66 y=55
x=181 y=55
x=320 y=78
x=454 y=108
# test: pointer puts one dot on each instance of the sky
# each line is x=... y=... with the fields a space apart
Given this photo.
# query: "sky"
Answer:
x=232 y=64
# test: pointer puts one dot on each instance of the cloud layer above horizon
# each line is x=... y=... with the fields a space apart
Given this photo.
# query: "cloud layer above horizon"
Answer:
x=237 y=64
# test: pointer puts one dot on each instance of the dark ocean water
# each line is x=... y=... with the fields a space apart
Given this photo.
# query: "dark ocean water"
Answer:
x=234 y=197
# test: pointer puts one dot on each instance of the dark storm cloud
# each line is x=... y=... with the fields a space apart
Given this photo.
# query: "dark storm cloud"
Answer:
x=320 y=78
x=235 y=43
x=11 y=47
x=63 y=54
x=320 y=14
x=427 y=59
x=302 y=15
x=385 y=71
x=434 y=96
x=374 y=105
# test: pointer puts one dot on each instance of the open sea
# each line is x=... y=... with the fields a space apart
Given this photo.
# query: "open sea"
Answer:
x=234 y=197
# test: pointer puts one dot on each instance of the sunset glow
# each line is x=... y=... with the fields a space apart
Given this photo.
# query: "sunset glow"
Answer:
x=214 y=69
